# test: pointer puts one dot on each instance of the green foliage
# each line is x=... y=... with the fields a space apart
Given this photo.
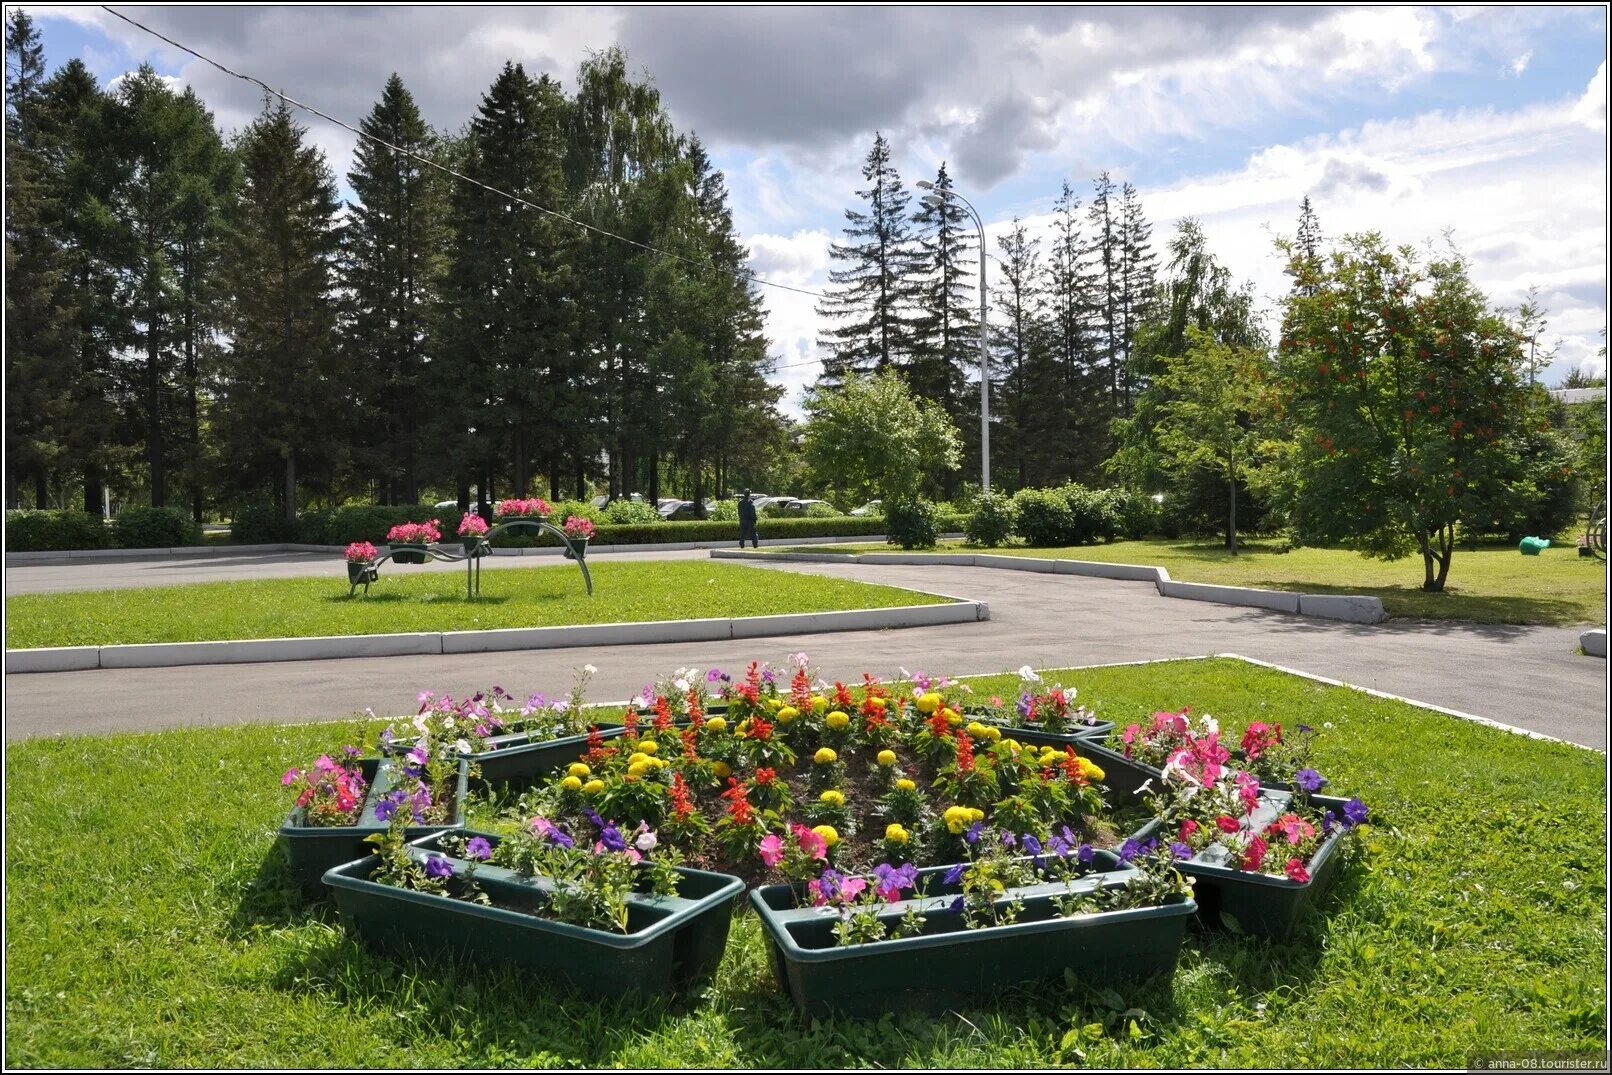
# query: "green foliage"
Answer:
x=1093 y=514
x=873 y=437
x=155 y=528
x=630 y=512
x=992 y=522
x=1137 y=513
x=724 y=511
x=55 y=531
x=1586 y=423
x=912 y=523
x=1043 y=517
x=1406 y=402
x=263 y=524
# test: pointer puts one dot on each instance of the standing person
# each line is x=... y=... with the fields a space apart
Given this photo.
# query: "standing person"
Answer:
x=747 y=521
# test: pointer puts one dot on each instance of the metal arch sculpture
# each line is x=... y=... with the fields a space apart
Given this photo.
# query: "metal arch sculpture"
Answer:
x=1595 y=533
x=575 y=549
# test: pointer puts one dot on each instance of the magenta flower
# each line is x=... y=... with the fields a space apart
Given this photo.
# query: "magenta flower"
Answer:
x=290 y=777
x=772 y=849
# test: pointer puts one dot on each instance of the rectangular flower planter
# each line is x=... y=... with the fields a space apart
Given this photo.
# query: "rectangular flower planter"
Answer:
x=674 y=943
x=313 y=849
x=1258 y=904
x=950 y=965
x=1123 y=776
x=409 y=553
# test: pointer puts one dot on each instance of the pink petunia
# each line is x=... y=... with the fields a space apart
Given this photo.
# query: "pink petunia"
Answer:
x=1296 y=871
x=772 y=849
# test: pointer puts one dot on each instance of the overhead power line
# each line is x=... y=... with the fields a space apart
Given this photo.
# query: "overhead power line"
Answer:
x=556 y=214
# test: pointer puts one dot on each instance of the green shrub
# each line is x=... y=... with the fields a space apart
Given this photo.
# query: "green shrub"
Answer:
x=911 y=524
x=313 y=527
x=724 y=511
x=628 y=512
x=55 y=531
x=263 y=524
x=1093 y=515
x=155 y=528
x=370 y=522
x=992 y=522
x=1138 y=514
x=821 y=511
x=1042 y=517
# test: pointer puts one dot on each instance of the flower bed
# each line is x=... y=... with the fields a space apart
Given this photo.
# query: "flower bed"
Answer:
x=797 y=776
x=1279 y=761
x=604 y=916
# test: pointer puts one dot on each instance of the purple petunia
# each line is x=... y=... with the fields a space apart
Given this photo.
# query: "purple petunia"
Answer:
x=1008 y=839
x=954 y=875
x=611 y=839
x=973 y=833
x=1328 y=820
x=1129 y=849
x=1085 y=855
x=1032 y=845
x=1354 y=812
x=1308 y=779
x=1305 y=729
x=1180 y=850
x=956 y=906
x=438 y=867
x=478 y=848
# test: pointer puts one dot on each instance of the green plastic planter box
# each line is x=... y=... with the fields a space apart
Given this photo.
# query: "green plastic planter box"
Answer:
x=409 y=552
x=1074 y=736
x=1260 y=905
x=951 y=966
x=674 y=943
x=313 y=849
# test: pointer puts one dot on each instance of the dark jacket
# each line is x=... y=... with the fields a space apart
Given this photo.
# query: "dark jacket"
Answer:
x=747 y=512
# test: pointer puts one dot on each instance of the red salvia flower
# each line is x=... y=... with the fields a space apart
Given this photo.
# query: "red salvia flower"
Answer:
x=965 y=753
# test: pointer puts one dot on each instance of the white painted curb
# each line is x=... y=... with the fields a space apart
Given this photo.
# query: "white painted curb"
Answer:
x=1350 y=607
x=721 y=629
x=1594 y=642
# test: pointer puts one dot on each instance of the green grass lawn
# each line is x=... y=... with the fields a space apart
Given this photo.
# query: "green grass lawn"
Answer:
x=431 y=601
x=1491 y=584
x=149 y=921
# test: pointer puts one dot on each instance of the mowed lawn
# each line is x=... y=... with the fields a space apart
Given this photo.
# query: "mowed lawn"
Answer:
x=150 y=922
x=431 y=601
x=1489 y=584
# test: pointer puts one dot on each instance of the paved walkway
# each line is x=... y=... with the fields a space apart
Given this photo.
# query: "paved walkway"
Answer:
x=1525 y=676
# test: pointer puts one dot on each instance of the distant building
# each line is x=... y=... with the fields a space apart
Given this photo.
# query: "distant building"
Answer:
x=1578 y=395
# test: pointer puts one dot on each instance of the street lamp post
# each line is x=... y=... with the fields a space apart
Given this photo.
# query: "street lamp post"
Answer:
x=936 y=199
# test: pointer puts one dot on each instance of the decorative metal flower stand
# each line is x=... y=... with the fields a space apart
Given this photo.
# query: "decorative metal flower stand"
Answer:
x=471 y=553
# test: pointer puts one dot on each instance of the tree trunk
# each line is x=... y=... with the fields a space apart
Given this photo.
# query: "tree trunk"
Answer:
x=41 y=490
x=1231 y=517
x=464 y=494
x=92 y=489
x=291 y=487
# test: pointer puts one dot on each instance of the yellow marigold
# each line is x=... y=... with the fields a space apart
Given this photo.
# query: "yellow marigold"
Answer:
x=579 y=769
x=992 y=732
x=1090 y=770
x=832 y=797
x=895 y=834
x=593 y=787
x=977 y=730
x=716 y=724
x=953 y=717
x=905 y=785
x=887 y=757
x=829 y=834
x=637 y=757
x=825 y=756
x=877 y=703
x=648 y=746
x=641 y=768
x=927 y=703
x=722 y=770
x=837 y=720
x=571 y=783
x=787 y=714
x=819 y=704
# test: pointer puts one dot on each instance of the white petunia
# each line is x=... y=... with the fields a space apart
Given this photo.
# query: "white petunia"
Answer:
x=463 y=746
x=1028 y=674
x=590 y=669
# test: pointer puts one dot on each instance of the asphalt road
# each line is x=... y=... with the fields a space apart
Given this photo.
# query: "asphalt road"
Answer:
x=1524 y=676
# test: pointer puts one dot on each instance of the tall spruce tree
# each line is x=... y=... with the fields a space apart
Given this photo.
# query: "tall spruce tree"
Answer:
x=177 y=178
x=943 y=333
x=1308 y=244
x=1136 y=285
x=1020 y=341
x=1078 y=401
x=283 y=400
x=395 y=254
x=39 y=353
x=873 y=296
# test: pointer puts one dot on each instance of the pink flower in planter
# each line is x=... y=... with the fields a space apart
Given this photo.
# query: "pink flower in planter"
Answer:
x=473 y=525
x=1296 y=871
x=360 y=552
x=772 y=849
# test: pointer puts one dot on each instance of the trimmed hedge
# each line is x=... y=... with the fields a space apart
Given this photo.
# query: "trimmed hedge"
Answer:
x=155 y=528
x=55 y=531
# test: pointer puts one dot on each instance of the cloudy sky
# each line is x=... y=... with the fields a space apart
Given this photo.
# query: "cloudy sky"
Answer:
x=1486 y=124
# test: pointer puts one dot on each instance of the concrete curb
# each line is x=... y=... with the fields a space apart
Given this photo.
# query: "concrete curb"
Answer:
x=256 y=650
x=90 y=556
x=1594 y=642
x=1348 y=607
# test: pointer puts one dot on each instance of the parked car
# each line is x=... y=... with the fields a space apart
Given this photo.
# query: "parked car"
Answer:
x=872 y=507
x=800 y=507
x=669 y=507
x=681 y=511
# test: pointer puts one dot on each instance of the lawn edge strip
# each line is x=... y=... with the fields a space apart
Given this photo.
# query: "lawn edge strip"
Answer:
x=1349 y=608
x=952 y=610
